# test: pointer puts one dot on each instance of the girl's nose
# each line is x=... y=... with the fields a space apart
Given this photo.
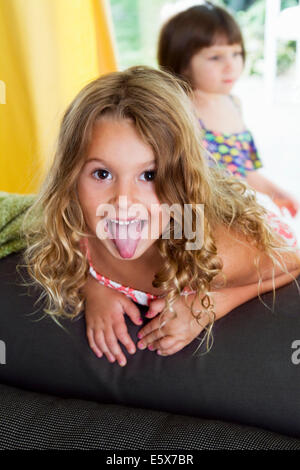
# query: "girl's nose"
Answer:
x=124 y=195
x=229 y=64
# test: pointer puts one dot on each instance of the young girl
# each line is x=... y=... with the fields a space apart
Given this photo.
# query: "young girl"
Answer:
x=128 y=165
x=204 y=46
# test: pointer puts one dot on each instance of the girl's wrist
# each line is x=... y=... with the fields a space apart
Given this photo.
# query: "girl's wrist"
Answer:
x=203 y=308
x=90 y=285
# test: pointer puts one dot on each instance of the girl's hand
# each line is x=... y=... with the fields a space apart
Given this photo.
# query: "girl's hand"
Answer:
x=167 y=334
x=285 y=201
x=105 y=324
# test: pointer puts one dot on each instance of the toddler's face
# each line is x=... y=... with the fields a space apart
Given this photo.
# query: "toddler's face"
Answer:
x=215 y=69
x=116 y=190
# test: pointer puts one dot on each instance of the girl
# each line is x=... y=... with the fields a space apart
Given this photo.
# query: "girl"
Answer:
x=204 y=46
x=128 y=164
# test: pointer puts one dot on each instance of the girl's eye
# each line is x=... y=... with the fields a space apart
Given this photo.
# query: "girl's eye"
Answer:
x=149 y=175
x=102 y=174
x=215 y=57
x=238 y=54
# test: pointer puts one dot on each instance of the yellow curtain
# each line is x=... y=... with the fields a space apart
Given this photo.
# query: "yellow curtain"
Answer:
x=49 y=50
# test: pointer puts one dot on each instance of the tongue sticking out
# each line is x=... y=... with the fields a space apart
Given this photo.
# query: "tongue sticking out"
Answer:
x=125 y=237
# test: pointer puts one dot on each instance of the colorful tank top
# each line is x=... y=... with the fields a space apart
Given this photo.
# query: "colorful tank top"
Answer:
x=236 y=152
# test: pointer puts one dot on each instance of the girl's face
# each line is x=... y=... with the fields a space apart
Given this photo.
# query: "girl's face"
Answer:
x=119 y=173
x=215 y=69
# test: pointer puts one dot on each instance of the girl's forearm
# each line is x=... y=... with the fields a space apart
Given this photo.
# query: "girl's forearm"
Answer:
x=262 y=184
x=234 y=296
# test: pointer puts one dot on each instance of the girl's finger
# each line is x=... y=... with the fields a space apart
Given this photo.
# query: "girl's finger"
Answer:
x=172 y=350
x=114 y=347
x=132 y=311
x=101 y=343
x=153 y=325
x=150 y=338
x=163 y=344
x=124 y=337
x=293 y=210
x=156 y=306
x=93 y=345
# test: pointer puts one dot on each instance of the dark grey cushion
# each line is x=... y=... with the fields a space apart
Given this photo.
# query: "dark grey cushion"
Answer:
x=36 y=421
x=247 y=378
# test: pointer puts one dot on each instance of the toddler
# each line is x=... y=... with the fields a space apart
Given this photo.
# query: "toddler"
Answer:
x=204 y=46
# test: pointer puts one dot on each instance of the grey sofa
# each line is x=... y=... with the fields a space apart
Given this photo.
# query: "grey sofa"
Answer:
x=55 y=394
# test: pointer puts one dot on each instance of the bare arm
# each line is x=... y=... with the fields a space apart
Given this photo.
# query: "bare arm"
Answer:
x=259 y=182
x=238 y=256
x=239 y=263
x=244 y=281
x=281 y=197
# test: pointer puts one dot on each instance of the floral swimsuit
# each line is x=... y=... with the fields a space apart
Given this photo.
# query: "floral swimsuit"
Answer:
x=236 y=152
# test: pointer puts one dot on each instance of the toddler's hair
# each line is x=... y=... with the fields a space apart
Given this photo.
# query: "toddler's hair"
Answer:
x=159 y=107
x=186 y=33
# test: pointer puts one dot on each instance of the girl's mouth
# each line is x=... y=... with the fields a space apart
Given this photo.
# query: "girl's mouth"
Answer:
x=125 y=234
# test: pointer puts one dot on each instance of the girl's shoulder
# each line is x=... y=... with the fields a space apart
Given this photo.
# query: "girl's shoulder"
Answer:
x=240 y=255
x=237 y=255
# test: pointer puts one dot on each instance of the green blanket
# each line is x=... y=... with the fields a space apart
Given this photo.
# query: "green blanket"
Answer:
x=12 y=210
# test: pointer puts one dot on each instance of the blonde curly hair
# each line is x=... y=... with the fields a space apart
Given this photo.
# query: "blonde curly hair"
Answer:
x=159 y=106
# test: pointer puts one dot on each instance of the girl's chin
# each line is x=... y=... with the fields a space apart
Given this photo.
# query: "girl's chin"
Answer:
x=228 y=85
